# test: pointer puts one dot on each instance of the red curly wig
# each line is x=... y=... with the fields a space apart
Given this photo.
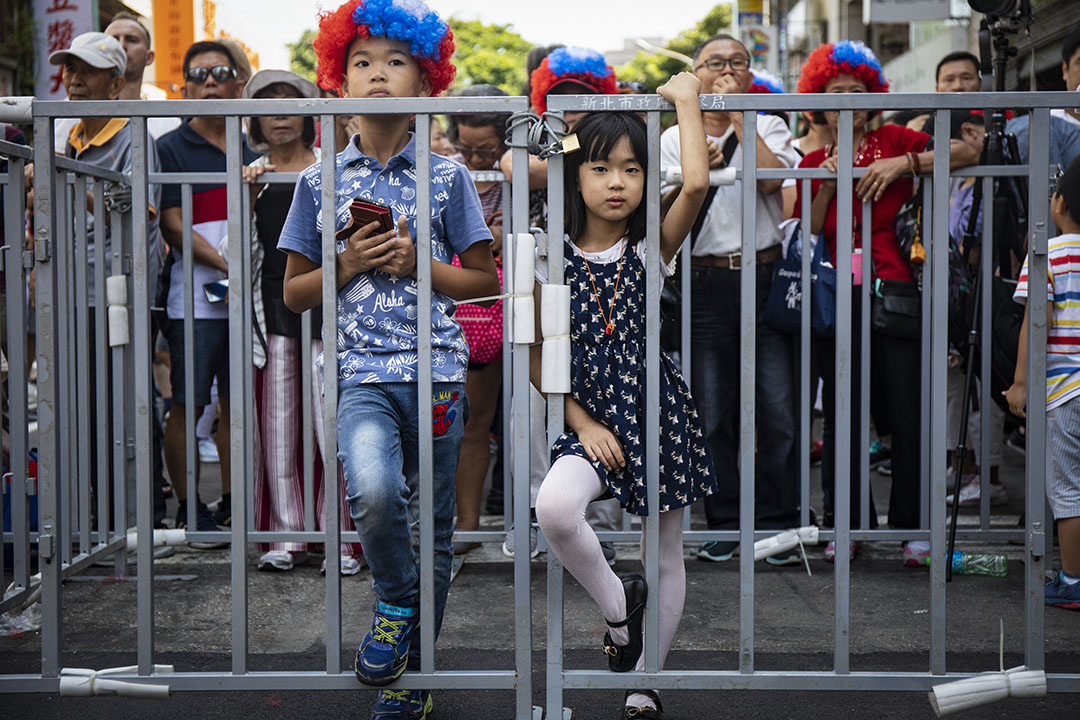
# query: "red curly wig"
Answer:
x=842 y=58
x=338 y=28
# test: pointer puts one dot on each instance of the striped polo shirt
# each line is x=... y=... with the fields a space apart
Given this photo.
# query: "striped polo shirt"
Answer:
x=1063 y=335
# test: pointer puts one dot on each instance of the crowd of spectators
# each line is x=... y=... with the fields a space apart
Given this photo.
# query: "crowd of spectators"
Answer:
x=895 y=150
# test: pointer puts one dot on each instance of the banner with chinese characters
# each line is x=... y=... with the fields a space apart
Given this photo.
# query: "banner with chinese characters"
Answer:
x=57 y=23
x=174 y=33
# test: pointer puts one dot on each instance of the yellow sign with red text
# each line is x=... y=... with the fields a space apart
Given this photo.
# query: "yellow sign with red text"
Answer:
x=174 y=32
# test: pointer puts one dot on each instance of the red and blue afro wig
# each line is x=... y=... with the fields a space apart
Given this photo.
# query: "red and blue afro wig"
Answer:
x=765 y=82
x=430 y=41
x=571 y=65
x=842 y=58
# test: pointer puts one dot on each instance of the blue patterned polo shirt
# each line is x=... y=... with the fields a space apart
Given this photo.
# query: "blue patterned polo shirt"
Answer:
x=376 y=312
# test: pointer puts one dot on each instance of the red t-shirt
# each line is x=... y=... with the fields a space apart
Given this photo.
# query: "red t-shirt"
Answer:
x=885 y=142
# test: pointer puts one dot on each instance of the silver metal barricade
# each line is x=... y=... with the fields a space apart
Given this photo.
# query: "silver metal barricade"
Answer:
x=85 y=511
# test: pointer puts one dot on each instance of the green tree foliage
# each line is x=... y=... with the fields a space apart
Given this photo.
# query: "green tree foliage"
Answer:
x=492 y=54
x=302 y=56
x=654 y=70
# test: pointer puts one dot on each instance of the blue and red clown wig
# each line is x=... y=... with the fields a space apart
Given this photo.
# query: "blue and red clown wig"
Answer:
x=842 y=58
x=572 y=65
x=430 y=41
x=765 y=82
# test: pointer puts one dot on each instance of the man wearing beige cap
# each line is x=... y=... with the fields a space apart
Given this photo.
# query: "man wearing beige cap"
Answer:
x=93 y=69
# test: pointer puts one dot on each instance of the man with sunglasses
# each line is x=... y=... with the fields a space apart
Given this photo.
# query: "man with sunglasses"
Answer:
x=198 y=146
x=722 y=64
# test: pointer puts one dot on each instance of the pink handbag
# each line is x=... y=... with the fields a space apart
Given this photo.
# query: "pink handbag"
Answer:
x=483 y=326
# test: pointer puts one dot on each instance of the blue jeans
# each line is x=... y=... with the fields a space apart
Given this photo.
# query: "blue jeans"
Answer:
x=379 y=452
x=715 y=369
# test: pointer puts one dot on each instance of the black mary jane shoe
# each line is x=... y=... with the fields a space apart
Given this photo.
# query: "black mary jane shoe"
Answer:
x=623 y=658
x=645 y=713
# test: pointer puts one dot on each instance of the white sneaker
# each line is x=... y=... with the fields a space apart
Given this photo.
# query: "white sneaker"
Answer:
x=459 y=562
x=350 y=564
x=971 y=492
x=208 y=452
x=280 y=560
x=534 y=540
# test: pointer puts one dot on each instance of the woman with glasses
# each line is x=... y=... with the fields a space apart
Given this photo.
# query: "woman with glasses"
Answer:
x=893 y=156
x=480 y=140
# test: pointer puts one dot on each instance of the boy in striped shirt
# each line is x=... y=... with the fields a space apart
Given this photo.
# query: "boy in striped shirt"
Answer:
x=1062 y=383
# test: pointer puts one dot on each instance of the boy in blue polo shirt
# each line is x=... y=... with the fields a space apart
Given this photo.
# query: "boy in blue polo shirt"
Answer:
x=392 y=48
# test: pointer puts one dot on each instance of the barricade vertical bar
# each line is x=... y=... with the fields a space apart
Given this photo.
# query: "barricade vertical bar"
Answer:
x=653 y=280
x=685 y=261
x=939 y=352
x=15 y=277
x=864 y=365
x=331 y=478
x=80 y=321
x=925 y=390
x=49 y=486
x=126 y=358
x=101 y=368
x=307 y=420
x=520 y=390
x=424 y=389
x=556 y=276
x=247 y=345
x=806 y=399
x=65 y=380
x=120 y=416
x=507 y=365
x=924 y=385
x=986 y=403
x=842 y=493
x=1039 y=542
x=239 y=371
x=190 y=416
x=140 y=272
x=747 y=396
x=555 y=423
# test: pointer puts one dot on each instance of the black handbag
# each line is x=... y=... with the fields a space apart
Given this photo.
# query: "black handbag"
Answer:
x=671 y=292
x=896 y=309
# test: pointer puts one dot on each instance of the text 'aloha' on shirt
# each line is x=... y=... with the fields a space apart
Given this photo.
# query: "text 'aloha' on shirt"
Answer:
x=377 y=312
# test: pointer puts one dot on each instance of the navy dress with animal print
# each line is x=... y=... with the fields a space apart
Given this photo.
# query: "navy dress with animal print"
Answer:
x=607 y=377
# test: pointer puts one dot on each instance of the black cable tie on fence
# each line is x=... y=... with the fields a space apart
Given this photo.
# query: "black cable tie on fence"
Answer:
x=544 y=139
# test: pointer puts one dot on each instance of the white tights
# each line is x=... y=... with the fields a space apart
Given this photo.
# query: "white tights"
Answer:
x=570 y=485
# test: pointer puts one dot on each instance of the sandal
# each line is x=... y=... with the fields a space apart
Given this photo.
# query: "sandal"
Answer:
x=645 y=713
x=623 y=658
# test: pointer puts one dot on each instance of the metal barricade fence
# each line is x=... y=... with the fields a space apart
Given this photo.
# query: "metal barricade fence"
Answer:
x=934 y=351
x=67 y=495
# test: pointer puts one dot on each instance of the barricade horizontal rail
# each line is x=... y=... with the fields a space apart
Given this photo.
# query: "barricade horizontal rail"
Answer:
x=74 y=495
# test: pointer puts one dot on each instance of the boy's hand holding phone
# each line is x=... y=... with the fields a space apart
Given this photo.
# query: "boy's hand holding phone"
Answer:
x=365 y=248
x=403 y=260
x=369 y=240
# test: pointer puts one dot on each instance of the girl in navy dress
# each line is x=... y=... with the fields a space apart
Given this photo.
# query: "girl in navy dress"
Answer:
x=602 y=449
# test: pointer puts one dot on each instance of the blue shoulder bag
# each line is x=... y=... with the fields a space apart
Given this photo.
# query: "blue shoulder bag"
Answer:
x=783 y=308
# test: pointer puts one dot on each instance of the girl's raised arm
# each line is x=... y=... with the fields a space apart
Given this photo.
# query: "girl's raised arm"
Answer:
x=682 y=90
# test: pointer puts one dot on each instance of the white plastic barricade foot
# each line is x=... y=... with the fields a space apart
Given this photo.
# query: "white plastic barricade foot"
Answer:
x=82 y=682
